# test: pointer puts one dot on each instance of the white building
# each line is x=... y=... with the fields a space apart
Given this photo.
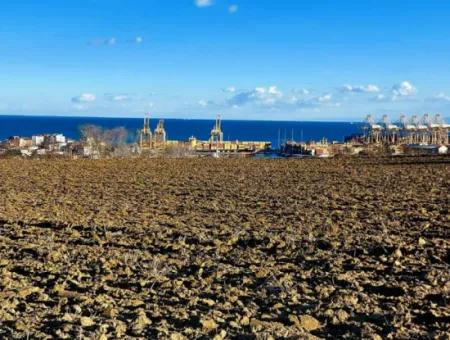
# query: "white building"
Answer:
x=60 y=138
x=38 y=140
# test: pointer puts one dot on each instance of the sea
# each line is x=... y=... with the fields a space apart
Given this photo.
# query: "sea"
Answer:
x=275 y=132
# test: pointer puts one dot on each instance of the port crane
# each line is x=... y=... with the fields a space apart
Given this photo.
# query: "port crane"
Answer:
x=216 y=132
x=145 y=136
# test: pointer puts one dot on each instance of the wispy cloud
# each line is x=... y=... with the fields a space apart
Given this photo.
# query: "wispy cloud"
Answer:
x=229 y=89
x=103 y=42
x=205 y=103
x=112 y=41
x=370 y=88
x=84 y=98
x=381 y=98
x=233 y=9
x=303 y=92
x=326 y=98
x=203 y=3
x=440 y=97
x=121 y=97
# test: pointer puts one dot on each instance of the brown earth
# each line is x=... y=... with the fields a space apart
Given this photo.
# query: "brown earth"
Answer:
x=225 y=248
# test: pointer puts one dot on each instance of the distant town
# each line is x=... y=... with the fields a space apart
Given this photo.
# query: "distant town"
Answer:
x=426 y=135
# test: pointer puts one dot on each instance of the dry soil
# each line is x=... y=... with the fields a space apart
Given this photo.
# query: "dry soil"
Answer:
x=208 y=248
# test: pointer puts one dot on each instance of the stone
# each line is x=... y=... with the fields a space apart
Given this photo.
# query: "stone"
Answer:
x=86 y=321
x=208 y=324
x=245 y=321
x=398 y=253
x=305 y=322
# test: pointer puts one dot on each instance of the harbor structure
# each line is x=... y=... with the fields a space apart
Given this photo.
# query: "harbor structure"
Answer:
x=216 y=132
x=160 y=134
x=427 y=130
x=145 y=135
x=321 y=149
x=156 y=140
x=215 y=145
x=425 y=135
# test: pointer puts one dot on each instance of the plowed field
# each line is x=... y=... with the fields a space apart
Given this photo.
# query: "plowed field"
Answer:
x=208 y=248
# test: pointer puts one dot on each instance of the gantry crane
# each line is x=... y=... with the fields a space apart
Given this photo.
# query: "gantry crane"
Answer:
x=145 y=135
x=216 y=132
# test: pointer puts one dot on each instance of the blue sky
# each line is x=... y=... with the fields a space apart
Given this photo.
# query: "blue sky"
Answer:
x=246 y=59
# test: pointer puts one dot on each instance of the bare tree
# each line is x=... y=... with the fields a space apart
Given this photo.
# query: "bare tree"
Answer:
x=104 y=142
x=115 y=137
x=92 y=136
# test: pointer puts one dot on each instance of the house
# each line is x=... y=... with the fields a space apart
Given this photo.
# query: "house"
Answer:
x=20 y=142
x=38 y=140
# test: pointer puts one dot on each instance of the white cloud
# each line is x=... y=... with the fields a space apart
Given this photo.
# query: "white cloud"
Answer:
x=203 y=3
x=380 y=98
x=105 y=42
x=80 y=107
x=233 y=9
x=110 y=41
x=259 y=96
x=272 y=98
x=113 y=41
x=229 y=89
x=117 y=97
x=84 y=98
x=273 y=91
x=326 y=98
x=303 y=92
x=314 y=103
x=370 y=88
x=441 y=97
x=404 y=89
x=203 y=103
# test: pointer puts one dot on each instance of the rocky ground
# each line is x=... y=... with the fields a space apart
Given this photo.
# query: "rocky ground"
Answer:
x=233 y=249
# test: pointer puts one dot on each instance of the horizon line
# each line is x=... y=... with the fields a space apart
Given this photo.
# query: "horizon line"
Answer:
x=171 y=118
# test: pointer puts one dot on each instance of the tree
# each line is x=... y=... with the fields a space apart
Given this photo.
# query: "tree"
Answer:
x=105 y=142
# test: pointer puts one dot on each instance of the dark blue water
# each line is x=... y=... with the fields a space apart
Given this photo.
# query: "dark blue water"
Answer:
x=180 y=129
